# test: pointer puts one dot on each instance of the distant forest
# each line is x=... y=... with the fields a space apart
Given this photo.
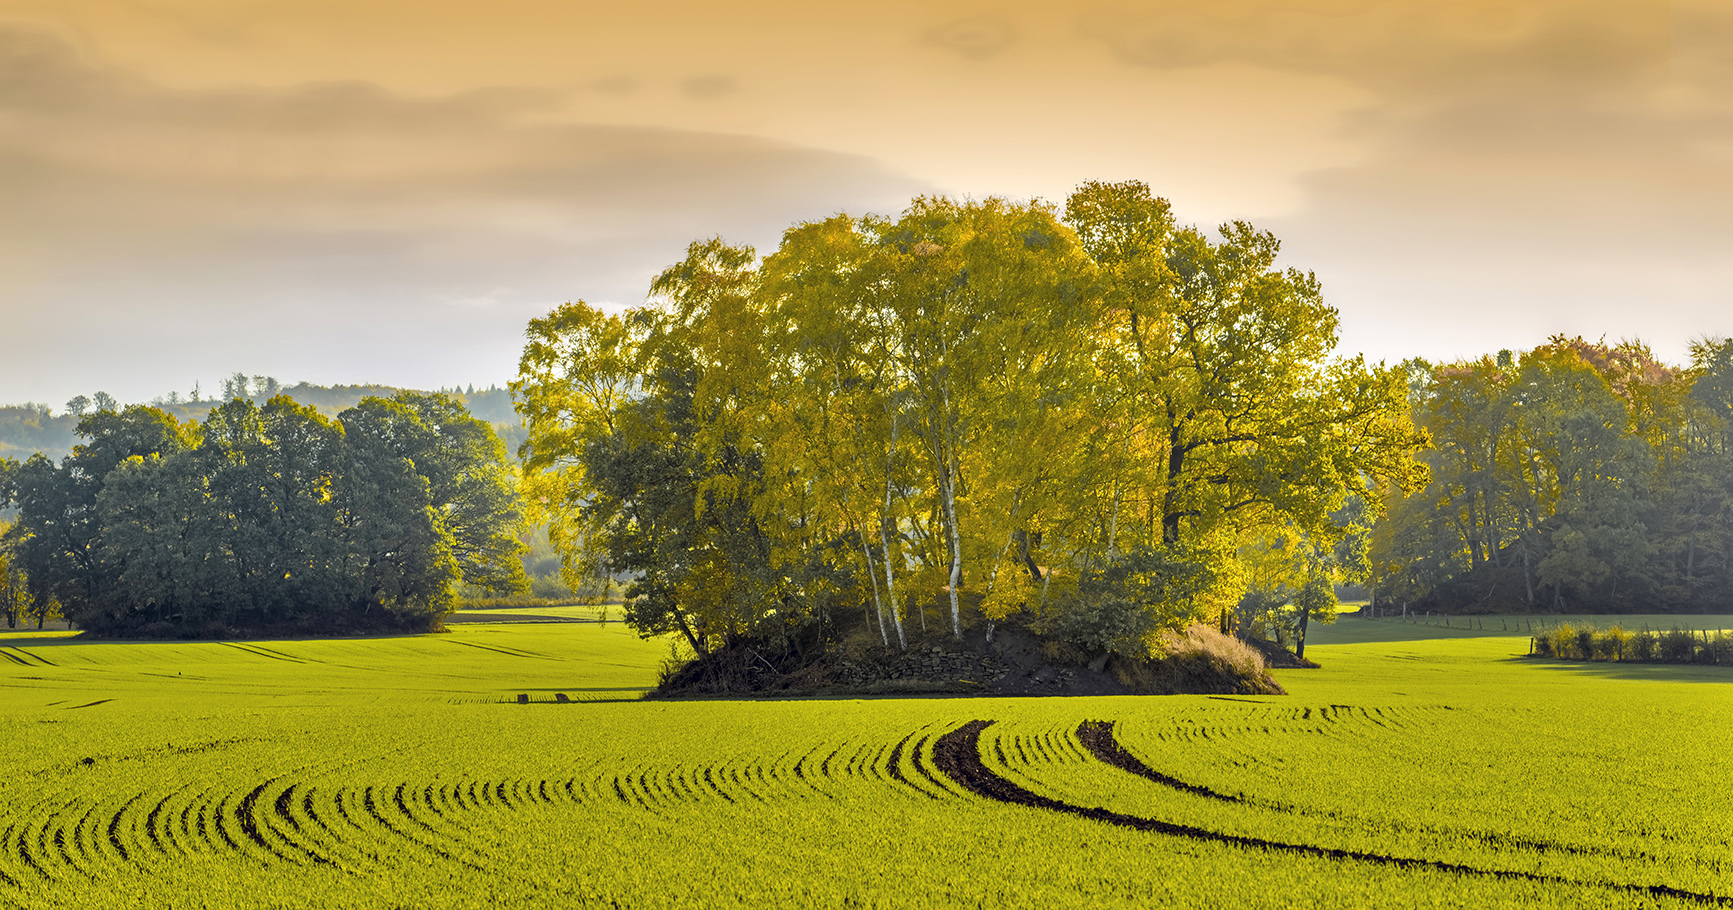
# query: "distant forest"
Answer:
x=32 y=427
x=271 y=518
x=1576 y=476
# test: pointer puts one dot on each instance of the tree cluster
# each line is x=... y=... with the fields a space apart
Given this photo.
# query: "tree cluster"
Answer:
x=266 y=517
x=1578 y=475
x=973 y=409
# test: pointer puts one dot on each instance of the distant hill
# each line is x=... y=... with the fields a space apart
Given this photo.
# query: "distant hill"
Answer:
x=28 y=428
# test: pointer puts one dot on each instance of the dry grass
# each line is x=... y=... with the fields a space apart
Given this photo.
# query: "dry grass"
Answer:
x=1201 y=660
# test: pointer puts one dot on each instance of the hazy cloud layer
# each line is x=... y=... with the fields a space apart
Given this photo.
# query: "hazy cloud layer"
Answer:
x=338 y=230
x=1463 y=175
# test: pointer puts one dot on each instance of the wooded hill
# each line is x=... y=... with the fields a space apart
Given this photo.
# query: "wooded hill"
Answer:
x=31 y=427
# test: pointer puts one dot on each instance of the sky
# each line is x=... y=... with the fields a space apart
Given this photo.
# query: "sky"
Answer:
x=343 y=191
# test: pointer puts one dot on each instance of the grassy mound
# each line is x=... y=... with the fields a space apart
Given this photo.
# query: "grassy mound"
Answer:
x=1005 y=659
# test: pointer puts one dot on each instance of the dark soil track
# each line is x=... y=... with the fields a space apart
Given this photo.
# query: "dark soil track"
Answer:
x=958 y=755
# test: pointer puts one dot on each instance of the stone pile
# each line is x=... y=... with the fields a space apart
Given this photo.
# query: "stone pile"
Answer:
x=930 y=663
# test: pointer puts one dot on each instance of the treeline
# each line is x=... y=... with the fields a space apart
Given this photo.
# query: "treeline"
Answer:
x=1100 y=424
x=266 y=518
x=31 y=427
x=1675 y=646
x=1577 y=476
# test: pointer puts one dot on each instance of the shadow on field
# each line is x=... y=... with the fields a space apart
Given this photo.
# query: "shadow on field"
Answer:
x=1631 y=670
x=49 y=639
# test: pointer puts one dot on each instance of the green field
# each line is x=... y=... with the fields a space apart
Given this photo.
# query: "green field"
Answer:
x=1422 y=766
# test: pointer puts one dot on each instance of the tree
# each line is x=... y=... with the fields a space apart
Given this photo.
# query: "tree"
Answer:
x=58 y=534
x=1570 y=467
x=267 y=517
x=971 y=405
x=1223 y=361
x=470 y=483
x=14 y=593
x=578 y=372
x=78 y=405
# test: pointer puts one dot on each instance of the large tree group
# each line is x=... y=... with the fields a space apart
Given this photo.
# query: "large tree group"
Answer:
x=1578 y=475
x=266 y=517
x=971 y=409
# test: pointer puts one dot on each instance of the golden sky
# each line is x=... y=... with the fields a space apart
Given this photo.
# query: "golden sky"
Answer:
x=386 y=190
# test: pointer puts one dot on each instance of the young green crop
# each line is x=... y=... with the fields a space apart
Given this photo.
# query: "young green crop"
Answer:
x=396 y=772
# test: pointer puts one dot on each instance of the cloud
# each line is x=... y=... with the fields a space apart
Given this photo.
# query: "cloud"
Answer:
x=324 y=231
x=1527 y=167
x=713 y=86
x=977 y=37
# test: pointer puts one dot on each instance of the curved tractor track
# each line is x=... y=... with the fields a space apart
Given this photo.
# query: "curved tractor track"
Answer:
x=958 y=755
x=321 y=818
x=315 y=818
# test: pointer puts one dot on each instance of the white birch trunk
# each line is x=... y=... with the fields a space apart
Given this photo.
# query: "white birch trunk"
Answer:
x=872 y=575
x=949 y=492
x=885 y=546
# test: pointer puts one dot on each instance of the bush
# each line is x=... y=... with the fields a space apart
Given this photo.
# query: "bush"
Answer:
x=1610 y=645
x=1643 y=646
x=1100 y=624
x=1585 y=644
x=1718 y=650
x=1564 y=641
x=1678 y=647
x=1542 y=645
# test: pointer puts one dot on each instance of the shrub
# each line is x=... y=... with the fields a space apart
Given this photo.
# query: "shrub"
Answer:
x=1542 y=645
x=1610 y=645
x=1677 y=647
x=1718 y=650
x=1100 y=623
x=1585 y=643
x=1643 y=646
x=1564 y=641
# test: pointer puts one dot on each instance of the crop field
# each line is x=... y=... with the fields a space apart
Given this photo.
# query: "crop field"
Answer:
x=1420 y=767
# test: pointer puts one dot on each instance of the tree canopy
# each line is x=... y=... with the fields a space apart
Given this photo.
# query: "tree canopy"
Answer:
x=267 y=517
x=972 y=408
x=1578 y=475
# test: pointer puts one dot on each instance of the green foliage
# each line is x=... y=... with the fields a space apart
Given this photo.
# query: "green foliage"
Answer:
x=976 y=401
x=1571 y=641
x=268 y=517
x=1119 y=606
x=1101 y=623
x=1575 y=474
x=1678 y=646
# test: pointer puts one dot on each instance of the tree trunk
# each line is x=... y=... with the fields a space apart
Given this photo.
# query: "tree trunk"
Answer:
x=1024 y=545
x=1527 y=579
x=1170 y=498
x=1112 y=526
x=686 y=630
x=1300 y=646
x=872 y=575
x=952 y=531
x=885 y=547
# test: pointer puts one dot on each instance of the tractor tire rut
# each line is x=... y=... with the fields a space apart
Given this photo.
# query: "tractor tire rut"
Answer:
x=957 y=754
